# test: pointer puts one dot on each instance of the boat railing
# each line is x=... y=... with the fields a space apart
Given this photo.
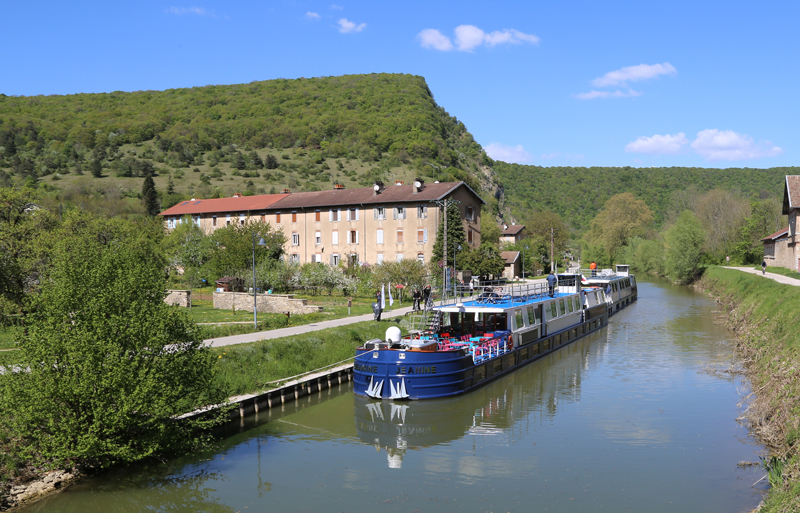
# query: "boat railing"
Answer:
x=502 y=292
x=482 y=348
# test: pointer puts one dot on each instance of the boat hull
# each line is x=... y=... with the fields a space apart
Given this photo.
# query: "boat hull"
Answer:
x=413 y=375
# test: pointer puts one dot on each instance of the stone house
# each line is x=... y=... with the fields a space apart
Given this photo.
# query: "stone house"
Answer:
x=511 y=234
x=369 y=225
x=780 y=248
x=513 y=267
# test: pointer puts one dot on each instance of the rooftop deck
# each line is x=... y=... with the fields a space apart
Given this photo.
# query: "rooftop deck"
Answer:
x=504 y=297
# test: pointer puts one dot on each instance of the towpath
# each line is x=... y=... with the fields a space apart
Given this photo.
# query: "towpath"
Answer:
x=777 y=277
x=299 y=330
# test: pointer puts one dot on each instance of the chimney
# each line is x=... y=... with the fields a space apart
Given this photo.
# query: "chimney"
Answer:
x=377 y=188
x=338 y=186
x=398 y=182
x=285 y=191
x=237 y=194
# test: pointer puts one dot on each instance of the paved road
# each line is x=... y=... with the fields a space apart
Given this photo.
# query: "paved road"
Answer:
x=777 y=277
x=298 y=330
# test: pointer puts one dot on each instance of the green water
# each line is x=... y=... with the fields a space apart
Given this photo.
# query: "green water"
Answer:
x=632 y=418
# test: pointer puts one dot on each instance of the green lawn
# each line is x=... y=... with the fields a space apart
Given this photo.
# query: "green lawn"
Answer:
x=7 y=338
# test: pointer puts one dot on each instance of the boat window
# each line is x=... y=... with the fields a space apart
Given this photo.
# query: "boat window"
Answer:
x=518 y=319
x=570 y=305
x=531 y=316
x=578 y=305
x=553 y=310
x=561 y=306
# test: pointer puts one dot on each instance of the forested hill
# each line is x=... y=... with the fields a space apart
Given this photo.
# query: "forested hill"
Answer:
x=578 y=193
x=365 y=117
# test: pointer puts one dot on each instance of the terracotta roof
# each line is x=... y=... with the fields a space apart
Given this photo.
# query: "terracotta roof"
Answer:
x=390 y=194
x=235 y=204
x=509 y=256
x=791 y=193
x=513 y=229
x=777 y=235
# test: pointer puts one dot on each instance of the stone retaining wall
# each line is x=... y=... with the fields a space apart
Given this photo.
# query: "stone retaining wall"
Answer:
x=266 y=303
x=179 y=297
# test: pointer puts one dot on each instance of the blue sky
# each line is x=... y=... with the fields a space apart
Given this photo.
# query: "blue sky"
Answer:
x=582 y=83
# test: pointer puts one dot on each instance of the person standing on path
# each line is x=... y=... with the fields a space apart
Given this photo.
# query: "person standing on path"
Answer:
x=377 y=307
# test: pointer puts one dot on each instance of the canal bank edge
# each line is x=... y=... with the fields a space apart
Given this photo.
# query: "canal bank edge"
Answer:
x=765 y=316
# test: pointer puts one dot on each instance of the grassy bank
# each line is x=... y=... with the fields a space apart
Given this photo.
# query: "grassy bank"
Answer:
x=765 y=315
x=246 y=368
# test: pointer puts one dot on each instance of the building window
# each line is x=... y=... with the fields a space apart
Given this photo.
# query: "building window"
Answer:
x=317 y=237
x=241 y=219
x=335 y=237
x=213 y=220
x=352 y=214
x=400 y=236
x=295 y=257
x=316 y=258
x=197 y=221
x=380 y=258
x=469 y=235
x=354 y=259
x=263 y=218
x=277 y=217
x=422 y=211
x=333 y=215
x=379 y=213
x=769 y=249
x=294 y=217
x=295 y=239
x=379 y=237
x=228 y=220
x=317 y=216
x=422 y=235
x=470 y=213
x=421 y=257
x=399 y=257
x=352 y=237
x=399 y=212
x=335 y=259
x=170 y=222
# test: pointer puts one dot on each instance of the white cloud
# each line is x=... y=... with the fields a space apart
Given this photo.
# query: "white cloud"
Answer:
x=469 y=37
x=346 y=26
x=336 y=7
x=312 y=16
x=432 y=38
x=713 y=144
x=658 y=144
x=513 y=154
x=197 y=11
x=591 y=95
x=622 y=76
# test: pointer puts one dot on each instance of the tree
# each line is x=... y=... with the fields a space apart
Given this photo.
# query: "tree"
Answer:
x=765 y=218
x=455 y=234
x=109 y=363
x=187 y=247
x=490 y=230
x=623 y=216
x=483 y=261
x=96 y=168
x=170 y=185
x=271 y=162
x=683 y=247
x=238 y=161
x=150 y=196
x=232 y=248
x=722 y=215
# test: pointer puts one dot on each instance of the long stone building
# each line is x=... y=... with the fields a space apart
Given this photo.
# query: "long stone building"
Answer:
x=370 y=225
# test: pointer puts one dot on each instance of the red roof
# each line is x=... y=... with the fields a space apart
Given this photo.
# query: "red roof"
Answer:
x=513 y=229
x=777 y=235
x=509 y=256
x=235 y=204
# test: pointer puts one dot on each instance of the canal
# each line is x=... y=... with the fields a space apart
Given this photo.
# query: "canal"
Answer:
x=635 y=417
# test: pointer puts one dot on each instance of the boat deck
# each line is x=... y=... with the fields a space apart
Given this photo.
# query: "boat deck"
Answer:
x=504 y=301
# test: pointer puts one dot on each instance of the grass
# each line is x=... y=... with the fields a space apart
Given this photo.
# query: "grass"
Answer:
x=246 y=368
x=7 y=338
x=765 y=316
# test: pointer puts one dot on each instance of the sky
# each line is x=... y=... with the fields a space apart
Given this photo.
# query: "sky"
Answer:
x=580 y=83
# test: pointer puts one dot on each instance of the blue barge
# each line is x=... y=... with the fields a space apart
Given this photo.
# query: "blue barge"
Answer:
x=470 y=342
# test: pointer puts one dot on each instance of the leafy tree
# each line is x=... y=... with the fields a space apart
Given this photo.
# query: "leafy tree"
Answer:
x=187 y=247
x=649 y=257
x=683 y=248
x=722 y=215
x=765 y=218
x=96 y=168
x=455 y=235
x=484 y=261
x=110 y=364
x=150 y=197
x=232 y=248
x=622 y=217
x=490 y=230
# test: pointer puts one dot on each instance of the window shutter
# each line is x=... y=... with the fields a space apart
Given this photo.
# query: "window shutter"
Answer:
x=357 y=214
x=330 y=215
x=356 y=236
x=425 y=235
x=375 y=213
x=331 y=259
x=394 y=213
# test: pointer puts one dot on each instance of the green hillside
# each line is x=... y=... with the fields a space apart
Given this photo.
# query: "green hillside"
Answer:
x=578 y=193
x=303 y=134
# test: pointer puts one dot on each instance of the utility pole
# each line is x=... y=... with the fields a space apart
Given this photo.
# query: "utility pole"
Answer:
x=445 y=204
x=552 y=263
